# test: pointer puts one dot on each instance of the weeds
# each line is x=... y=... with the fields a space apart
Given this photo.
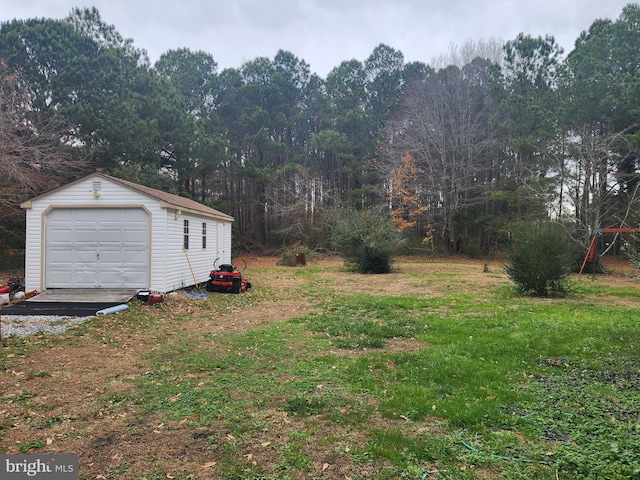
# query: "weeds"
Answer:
x=30 y=446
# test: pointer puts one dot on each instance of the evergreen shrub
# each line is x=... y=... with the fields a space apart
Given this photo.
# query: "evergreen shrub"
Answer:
x=366 y=240
x=541 y=259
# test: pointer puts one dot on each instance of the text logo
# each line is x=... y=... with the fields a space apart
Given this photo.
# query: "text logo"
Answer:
x=51 y=467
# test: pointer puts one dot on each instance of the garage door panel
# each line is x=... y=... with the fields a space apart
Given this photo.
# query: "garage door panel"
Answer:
x=60 y=235
x=84 y=235
x=97 y=248
x=84 y=257
x=134 y=279
x=134 y=256
x=60 y=256
x=111 y=278
x=112 y=214
x=111 y=257
x=137 y=237
x=62 y=277
x=111 y=236
x=83 y=279
x=87 y=215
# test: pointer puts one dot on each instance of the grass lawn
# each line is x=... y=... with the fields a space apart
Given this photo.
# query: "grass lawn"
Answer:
x=435 y=371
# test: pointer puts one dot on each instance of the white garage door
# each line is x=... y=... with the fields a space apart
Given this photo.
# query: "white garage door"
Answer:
x=97 y=248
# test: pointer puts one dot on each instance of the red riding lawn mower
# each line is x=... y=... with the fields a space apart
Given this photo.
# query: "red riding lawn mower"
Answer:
x=227 y=278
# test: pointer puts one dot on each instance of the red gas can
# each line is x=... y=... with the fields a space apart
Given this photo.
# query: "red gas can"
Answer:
x=155 y=297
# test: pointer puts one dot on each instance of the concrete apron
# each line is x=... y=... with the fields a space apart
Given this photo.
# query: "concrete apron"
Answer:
x=115 y=295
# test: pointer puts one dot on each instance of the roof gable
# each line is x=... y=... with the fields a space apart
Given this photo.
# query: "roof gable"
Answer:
x=169 y=200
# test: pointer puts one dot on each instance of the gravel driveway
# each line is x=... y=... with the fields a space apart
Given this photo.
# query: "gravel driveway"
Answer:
x=24 y=325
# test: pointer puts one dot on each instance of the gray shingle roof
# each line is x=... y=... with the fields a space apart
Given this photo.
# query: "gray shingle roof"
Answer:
x=171 y=199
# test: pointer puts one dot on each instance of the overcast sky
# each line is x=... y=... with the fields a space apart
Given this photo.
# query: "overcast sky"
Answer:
x=326 y=32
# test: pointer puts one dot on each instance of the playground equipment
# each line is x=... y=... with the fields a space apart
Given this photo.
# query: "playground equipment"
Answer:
x=592 y=252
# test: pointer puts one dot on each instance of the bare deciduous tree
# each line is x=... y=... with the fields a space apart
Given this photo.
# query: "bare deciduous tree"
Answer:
x=33 y=155
x=601 y=194
x=461 y=55
x=445 y=125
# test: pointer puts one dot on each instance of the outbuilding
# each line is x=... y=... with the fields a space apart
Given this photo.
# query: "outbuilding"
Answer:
x=102 y=232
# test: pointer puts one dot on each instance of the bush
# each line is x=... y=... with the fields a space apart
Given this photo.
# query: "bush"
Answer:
x=541 y=259
x=295 y=256
x=366 y=240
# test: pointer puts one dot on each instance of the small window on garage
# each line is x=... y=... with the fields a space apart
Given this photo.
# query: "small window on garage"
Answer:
x=186 y=234
x=204 y=236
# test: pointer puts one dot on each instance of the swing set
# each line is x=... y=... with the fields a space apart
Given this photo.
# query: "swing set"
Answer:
x=592 y=252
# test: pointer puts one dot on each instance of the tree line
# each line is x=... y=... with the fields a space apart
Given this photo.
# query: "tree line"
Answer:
x=459 y=153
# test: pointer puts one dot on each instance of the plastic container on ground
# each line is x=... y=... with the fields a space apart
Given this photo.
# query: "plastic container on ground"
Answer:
x=155 y=297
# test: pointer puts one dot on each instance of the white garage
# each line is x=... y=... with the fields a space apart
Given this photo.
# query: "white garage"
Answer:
x=101 y=232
